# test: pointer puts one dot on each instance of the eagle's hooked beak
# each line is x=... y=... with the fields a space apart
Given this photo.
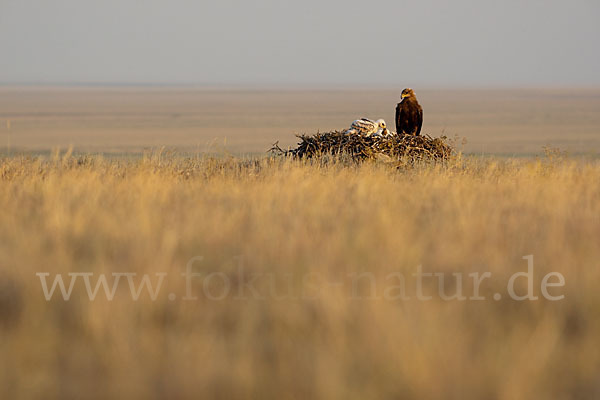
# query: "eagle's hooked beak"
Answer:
x=404 y=95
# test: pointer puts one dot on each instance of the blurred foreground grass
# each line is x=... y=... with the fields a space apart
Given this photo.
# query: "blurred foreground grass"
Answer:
x=302 y=299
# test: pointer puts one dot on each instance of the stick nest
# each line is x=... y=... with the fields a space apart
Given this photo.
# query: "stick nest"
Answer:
x=361 y=148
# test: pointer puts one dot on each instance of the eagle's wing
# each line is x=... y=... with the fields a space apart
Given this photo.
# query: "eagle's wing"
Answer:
x=419 y=121
x=398 y=117
x=364 y=126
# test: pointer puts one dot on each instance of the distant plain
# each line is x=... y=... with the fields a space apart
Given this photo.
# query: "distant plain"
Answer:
x=247 y=121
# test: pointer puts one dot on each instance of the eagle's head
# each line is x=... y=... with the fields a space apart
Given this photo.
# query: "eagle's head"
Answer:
x=408 y=92
x=380 y=123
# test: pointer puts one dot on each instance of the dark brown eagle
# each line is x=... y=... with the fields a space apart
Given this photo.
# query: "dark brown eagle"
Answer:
x=409 y=114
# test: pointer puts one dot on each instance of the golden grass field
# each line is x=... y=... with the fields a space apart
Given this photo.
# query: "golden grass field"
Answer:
x=280 y=311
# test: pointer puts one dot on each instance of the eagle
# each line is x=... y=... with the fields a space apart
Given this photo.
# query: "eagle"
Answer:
x=367 y=127
x=409 y=114
x=385 y=132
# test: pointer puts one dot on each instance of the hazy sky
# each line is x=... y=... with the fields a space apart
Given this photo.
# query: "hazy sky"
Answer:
x=405 y=43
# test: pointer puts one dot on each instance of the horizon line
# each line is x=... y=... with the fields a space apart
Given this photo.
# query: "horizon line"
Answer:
x=283 y=86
